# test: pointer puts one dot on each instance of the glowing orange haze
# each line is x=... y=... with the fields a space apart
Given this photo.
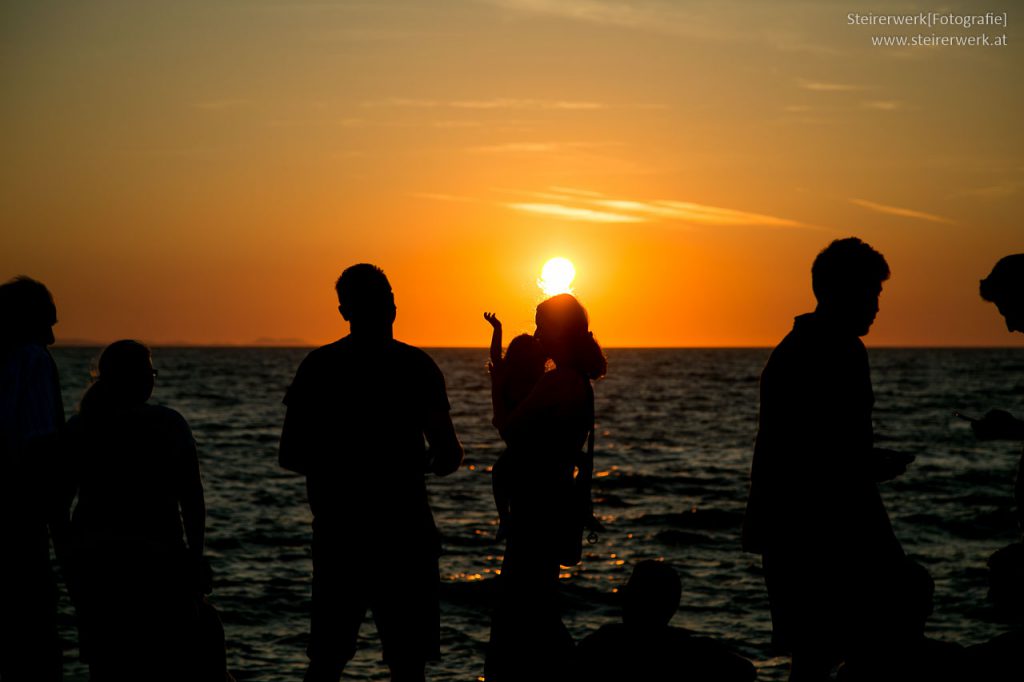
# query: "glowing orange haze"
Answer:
x=205 y=177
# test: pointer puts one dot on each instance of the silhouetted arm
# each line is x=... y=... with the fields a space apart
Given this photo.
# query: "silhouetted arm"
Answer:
x=445 y=453
x=192 y=499
x=495 y=338
x=300 y=422
x=292 y=451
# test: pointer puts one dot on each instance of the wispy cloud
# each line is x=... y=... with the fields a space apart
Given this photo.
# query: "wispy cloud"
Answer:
x=487 y=104
x=631 y=210
x=712 y=20
x=901 y=212
x=575 y=213
x=819 y=86
x=883 y=105
x=587 y=205
x=537 y=147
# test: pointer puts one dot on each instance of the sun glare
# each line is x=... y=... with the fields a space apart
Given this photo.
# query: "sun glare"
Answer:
x=556 y=277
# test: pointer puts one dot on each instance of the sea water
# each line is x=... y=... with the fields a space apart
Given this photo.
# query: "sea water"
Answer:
x=675 y=434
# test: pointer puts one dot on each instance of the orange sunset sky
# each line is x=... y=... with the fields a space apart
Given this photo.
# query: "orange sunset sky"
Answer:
x=200 y=172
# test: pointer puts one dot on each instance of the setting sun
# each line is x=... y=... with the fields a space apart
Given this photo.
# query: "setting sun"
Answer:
x=556 y=277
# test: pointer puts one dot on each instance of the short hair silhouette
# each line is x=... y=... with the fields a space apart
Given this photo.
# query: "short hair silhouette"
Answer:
x=651 y=596
x=846 y=266
x=26 y=308
x=364 y=294
x=1005 y=281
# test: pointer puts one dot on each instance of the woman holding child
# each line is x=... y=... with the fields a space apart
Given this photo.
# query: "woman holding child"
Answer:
x=543 y=481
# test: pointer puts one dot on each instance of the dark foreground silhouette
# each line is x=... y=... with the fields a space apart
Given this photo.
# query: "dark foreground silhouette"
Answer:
x=358 y=412
x=645 y=647
x=547 y=434
x=999 y=659
x=133 y=551
x=905 y=653
x=1005 y=288
x=30 y=415
x=814 y=512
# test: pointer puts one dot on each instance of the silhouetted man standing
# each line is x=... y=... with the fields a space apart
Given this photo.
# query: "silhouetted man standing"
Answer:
x=358 y=412
x=31 y=412
x=814 y=511
x=1005 y=287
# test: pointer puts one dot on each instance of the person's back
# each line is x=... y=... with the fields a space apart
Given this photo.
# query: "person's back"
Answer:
x=135 y=546
x=131 y=466
x=358 y=412
x=364 y=408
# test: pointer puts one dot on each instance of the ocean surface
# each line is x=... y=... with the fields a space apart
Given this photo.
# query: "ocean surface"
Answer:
x=675 y=435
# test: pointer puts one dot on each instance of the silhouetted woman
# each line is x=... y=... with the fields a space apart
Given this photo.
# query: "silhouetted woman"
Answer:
x=547 y=434
x=137 y=528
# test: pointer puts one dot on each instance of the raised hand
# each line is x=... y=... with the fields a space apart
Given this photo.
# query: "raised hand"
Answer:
x=492 y=318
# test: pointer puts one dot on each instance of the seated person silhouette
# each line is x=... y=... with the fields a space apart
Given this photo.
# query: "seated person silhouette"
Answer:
x=999 y=659
x=905 y=654
x=814 y=512
x=520 y=368
x=359 y=410
x=1005 y=288
x=645 y=647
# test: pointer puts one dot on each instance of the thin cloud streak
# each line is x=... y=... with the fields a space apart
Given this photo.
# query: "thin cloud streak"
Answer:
x=901 y=212
x=574 y=213
x=487 y=104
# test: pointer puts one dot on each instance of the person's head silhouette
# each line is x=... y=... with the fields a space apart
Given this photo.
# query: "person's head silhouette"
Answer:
x=847 y=280
x=124 y=377
x=27 y=311
x=365 y=300
x=563 y=330
x=1005 y=287
x=651 y=597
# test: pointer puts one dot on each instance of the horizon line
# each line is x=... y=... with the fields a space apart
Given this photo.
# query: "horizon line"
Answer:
x=177 y=345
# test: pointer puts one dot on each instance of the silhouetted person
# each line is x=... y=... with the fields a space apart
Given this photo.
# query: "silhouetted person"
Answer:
x=1005 y=287
x=999 y=659
x=814 y=512
x=901 y=652
x=547 y=436
x=137 y=528
x=358 y=412
x=31 y=412
x=519 y=370
x=645 y=647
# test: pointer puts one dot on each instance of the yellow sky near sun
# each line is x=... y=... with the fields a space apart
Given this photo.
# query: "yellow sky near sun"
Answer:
x=200 y=172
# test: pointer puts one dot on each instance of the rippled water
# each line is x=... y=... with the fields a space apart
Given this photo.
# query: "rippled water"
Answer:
x=676 y=430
